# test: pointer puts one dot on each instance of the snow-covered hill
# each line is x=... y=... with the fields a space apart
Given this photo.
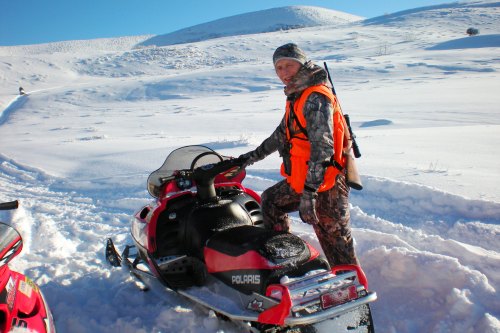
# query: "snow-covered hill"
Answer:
x=100 y=115
x=269 y=20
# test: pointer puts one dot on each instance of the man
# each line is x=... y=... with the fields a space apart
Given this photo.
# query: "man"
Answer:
x=313 y=142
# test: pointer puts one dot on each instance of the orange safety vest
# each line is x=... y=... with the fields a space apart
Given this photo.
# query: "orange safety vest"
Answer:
x=300 y=147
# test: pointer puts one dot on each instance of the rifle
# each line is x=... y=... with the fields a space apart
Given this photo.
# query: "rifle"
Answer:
x=352 y=175
x=355 y=147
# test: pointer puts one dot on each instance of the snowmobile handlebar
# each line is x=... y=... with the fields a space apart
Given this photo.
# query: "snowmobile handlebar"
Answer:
x=9 y=205
x=208 y=172
x=203 y=177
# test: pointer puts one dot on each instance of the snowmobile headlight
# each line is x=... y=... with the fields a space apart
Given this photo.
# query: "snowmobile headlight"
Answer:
x=139 y=232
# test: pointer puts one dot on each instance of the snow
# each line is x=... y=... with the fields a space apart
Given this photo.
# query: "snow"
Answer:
x=100 y=115
x=268 y=20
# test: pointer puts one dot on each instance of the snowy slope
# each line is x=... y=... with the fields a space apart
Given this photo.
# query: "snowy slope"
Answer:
x=100 y=115
x=275 y=19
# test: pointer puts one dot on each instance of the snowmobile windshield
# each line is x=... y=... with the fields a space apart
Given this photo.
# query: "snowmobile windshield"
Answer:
x=10 y=241
x=185 y=158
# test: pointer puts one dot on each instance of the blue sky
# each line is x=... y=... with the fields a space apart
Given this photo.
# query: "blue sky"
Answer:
x=43 y=21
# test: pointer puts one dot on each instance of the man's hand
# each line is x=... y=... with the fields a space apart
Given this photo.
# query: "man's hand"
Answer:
x=307 y=207
x=249 y=158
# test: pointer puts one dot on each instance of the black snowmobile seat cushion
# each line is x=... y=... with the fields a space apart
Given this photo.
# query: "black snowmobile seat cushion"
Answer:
x=272 y=245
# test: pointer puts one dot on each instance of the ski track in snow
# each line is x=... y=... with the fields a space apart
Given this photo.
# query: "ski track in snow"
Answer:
x=13 y=105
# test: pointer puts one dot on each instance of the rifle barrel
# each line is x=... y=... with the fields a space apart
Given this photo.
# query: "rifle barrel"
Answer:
x=355 y=147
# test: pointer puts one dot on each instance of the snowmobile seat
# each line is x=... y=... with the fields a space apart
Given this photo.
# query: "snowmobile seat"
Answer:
x=281 y=248
x=249 y=258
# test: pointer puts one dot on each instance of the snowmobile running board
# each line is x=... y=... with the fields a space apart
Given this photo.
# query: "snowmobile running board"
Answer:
x=304 y=292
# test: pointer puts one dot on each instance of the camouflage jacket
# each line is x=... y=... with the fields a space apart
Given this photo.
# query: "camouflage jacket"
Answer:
x=318 y=112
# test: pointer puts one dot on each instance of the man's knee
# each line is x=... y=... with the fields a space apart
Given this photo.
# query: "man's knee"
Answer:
x=264 y=196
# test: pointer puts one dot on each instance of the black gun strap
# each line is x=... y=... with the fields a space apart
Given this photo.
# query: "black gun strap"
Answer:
x=294 y=116
x=334 y=164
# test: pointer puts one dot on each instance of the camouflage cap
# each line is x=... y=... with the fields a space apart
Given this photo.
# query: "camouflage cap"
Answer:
x=289 y=51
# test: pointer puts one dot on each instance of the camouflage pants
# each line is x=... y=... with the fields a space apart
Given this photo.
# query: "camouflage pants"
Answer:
x=334 y=227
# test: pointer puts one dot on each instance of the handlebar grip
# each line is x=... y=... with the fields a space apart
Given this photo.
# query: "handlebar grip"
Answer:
x=9 y=205
x=239 y=161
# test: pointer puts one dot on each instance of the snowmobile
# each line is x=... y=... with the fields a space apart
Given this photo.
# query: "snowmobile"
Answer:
x=203 y=237
x=22 y=304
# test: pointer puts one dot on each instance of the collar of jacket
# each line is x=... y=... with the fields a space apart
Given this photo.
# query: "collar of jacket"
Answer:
x=308 y=75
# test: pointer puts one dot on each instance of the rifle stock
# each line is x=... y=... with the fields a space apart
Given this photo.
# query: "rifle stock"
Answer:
x=352 y=176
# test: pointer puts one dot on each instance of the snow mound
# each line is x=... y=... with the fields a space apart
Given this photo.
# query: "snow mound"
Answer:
x=75 y=46
x=492 y=40
x=275 y=19
x=460 y=14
